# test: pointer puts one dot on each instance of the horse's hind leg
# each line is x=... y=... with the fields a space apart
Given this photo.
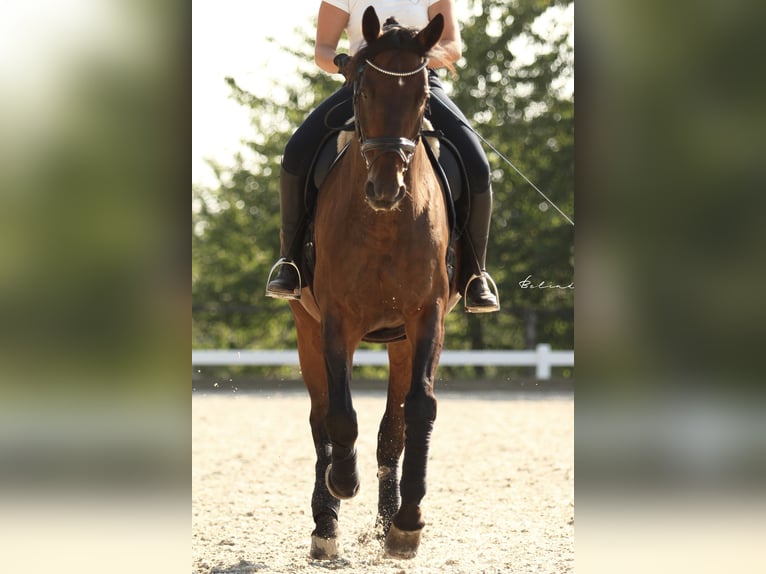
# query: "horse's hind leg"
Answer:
x=324 y=506
x=391 y=435
x=426 y=334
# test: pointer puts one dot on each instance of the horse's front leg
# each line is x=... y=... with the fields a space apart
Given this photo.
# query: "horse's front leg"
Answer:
x=324 y=506
x=342 y=478
x=426 y=334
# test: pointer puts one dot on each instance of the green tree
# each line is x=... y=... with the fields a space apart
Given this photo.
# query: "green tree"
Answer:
x=235 y=236
x=509 y=84
x=511 y=88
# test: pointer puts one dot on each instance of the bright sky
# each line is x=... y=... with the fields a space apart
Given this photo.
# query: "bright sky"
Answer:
x=229 y=39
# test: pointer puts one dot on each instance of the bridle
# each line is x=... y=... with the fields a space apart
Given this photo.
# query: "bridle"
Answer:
x=403 y=147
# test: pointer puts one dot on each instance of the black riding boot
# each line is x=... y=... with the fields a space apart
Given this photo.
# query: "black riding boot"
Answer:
x=478 y=296
x=285 y=283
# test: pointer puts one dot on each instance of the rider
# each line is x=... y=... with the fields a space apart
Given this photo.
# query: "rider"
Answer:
x=335 y=16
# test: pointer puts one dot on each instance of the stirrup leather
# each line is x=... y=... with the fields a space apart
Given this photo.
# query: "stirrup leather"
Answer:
x=493 y=288
x=282 y=261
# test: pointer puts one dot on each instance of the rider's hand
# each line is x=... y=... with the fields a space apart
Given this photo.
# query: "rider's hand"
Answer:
x=341 y=60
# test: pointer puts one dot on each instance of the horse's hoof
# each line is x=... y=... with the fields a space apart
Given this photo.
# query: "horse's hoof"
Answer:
x=334 y=491
x=401 y=543
x=324 y=548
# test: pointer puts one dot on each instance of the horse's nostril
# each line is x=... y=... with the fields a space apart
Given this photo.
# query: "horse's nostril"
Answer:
x=402 y=191
x=369 y=190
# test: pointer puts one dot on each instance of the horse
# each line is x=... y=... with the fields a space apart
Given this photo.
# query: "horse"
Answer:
x=381 y=234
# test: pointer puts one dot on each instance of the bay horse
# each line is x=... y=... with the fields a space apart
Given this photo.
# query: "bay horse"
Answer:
x=381 y=235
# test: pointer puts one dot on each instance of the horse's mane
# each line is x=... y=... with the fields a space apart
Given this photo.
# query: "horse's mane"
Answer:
x=394 y=37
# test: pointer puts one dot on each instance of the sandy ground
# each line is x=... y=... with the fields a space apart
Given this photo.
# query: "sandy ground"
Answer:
x=500 y=486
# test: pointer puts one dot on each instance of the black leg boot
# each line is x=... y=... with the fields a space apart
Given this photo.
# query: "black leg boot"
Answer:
x=284 y=280
x=478 y=296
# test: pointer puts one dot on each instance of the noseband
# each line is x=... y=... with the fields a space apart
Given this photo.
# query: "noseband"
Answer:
x=403 y=147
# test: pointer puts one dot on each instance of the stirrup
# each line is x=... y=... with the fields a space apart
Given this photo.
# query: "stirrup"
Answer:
x=294 y=296
x=493 y=288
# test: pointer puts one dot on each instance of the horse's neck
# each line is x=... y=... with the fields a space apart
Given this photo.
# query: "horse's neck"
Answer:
x=420 y=179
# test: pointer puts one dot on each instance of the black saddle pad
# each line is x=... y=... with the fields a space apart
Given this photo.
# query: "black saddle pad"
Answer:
x=326 y=156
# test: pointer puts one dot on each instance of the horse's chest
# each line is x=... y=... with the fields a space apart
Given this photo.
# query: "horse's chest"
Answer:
x=392 y=280
x=384 y=265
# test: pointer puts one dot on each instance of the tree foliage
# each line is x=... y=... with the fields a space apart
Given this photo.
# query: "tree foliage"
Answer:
x=517 y=103
x=511 y=85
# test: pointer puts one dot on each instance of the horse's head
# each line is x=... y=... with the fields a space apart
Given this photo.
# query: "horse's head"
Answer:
x=390 y=97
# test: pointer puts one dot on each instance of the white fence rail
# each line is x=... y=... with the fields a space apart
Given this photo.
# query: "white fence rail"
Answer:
x=542 y=358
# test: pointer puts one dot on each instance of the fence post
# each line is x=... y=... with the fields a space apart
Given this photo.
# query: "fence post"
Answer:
x=543 y=361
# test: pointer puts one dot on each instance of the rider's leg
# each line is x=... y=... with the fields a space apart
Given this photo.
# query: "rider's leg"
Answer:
x=479 y=297
x=285 y=284
x=448 y=118
x=296 y=163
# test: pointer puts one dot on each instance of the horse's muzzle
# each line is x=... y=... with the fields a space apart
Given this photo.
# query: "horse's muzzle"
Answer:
x=384 y=197
x=387 y=160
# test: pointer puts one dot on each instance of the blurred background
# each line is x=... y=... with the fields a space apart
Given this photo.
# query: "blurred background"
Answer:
x=94 y=297
x=670 y=439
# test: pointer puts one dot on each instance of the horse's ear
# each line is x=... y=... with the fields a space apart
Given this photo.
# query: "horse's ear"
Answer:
x=429 y=36
x=370 y=25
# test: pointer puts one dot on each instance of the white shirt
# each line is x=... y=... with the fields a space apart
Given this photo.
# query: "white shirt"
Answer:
x=409 y=13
